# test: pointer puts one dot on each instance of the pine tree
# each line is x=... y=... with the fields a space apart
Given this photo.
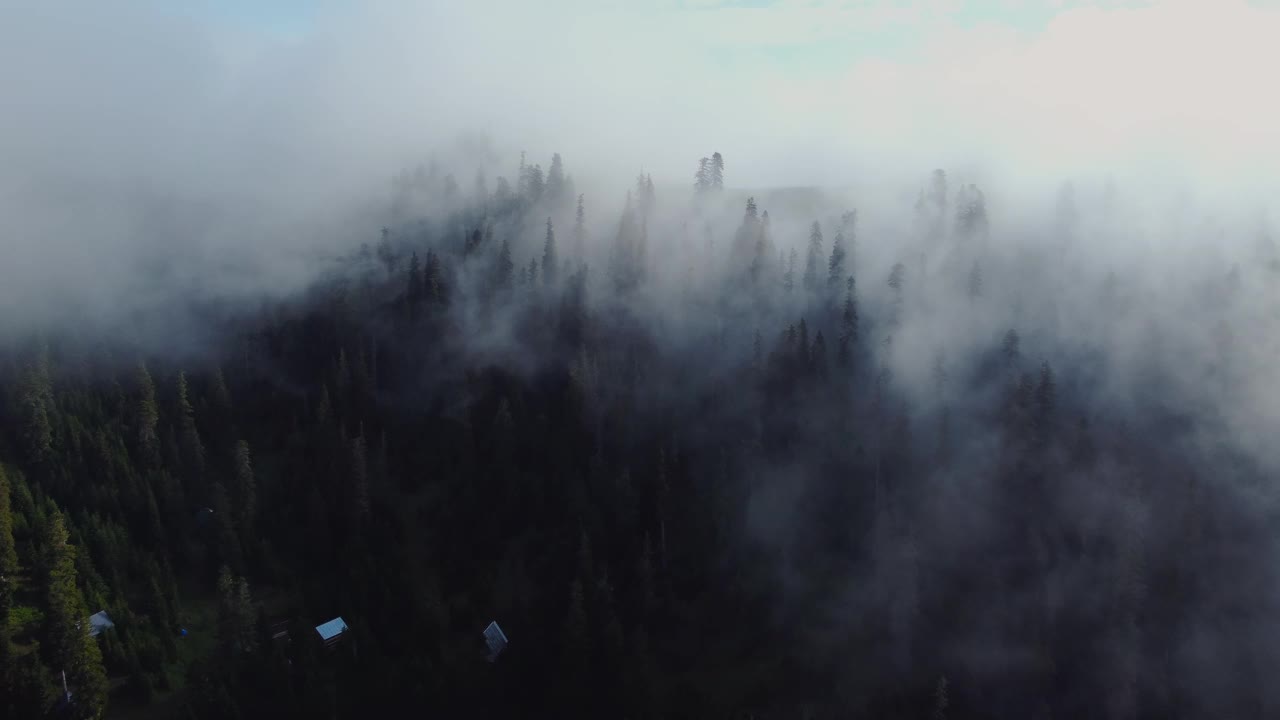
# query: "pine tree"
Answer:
x=148 y=420
x=645 y=198
x=192 y=448
x=549 y=262
x=1010 y=348
x=432 y=280
x=814 y=259
x=236 y=615
x=246 y=491
x=69 y=646
x=940 y=702
x=717 y=172
x=938 y=191
x=835 y=265
x=8 y=572
x=848 y=325
x=555 y=181
x=818 y=356
x=227 y=535
x=626 y=264
x=534 y=184
x=36 y=399
x=789 y=277
x=414 y=287
x=1045 y=401
x=504 y=267
x=897 y=278
x=971 y=211
x=386 y=253
x=702 y=178
x=802 y=346
x=8 y=550
x=580 y=232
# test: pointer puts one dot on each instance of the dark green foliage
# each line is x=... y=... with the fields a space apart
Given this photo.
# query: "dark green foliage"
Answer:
x=550 y=260
x=814 y=258
x=728 y=522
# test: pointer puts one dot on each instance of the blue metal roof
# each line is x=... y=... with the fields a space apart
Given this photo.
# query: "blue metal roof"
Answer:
x=332 y=629
x=100 y=621
x=495 y=639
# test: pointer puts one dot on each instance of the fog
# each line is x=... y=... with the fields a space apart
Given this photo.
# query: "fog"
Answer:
x=1098 y=179
x=144 y=143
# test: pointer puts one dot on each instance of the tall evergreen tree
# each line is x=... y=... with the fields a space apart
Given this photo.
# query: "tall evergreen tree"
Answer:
x=848 y=325
x=148 y=419
x=555 y=189
x=414 y=288
x=192 y=447
x=432 y=280
x=1010 y=348
x=789 y=277
x=69 y=646
x=835 y=265
x=246 y=492
x=550 y=263
x=579 y=248
x=504 y=267
x=814 y=259
x=818 y=356
x=36 y=398
x=716 y=172
x=236 y=632
x=702 y=178
x=8 y=578
x=8 y=550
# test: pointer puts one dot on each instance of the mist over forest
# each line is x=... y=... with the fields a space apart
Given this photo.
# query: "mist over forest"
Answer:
x=326 y=352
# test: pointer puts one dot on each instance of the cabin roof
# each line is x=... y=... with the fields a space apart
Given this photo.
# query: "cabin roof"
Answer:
x=100 y=621
x=332 y=629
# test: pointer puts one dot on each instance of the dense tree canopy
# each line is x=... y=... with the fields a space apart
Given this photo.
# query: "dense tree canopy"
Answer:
x=682 y=486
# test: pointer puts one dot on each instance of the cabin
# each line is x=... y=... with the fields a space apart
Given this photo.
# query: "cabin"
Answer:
x=98 y=622
x=332 y=632
x=495 y=639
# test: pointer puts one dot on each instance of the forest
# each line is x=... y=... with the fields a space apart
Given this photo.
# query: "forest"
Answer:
x=931 y=459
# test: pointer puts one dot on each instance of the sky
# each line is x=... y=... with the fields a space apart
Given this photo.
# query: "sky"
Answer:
x=1170 y=87
x=213 y=126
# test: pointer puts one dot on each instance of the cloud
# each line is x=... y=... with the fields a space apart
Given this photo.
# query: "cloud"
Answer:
x=137 y=130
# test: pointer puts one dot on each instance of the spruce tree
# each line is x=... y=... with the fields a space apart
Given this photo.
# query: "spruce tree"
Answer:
x=504 y=267
x=8 y=572
x=550 y=263
x=702 y=178
x=555 y=181
x=246 y=491
x=191 y=448
x=579 y=248
x=148 y=420
x=789 y=277
x=717 y=172
x=8 y=550
x=69 y=646
x=835 y=265
x=814 y=260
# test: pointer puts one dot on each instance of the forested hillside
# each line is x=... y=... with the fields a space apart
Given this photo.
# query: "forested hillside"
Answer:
x=694 y=459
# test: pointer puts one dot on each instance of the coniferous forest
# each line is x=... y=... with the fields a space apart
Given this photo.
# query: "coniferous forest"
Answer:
x=695 y=461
